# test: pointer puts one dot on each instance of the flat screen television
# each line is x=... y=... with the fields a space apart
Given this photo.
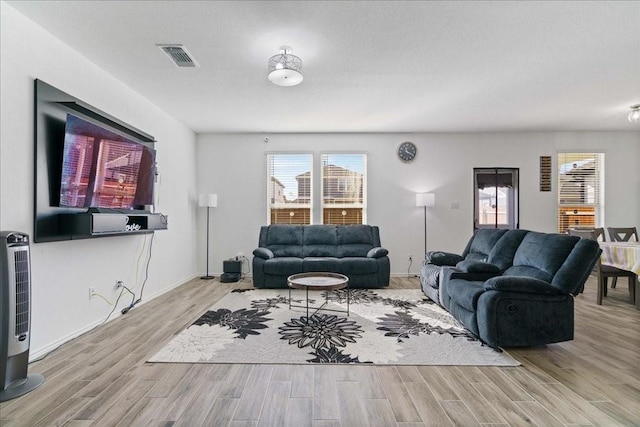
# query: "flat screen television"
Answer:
x=103 y=169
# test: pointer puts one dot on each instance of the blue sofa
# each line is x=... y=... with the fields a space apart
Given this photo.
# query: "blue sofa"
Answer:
x=528 y=303
x=352 y=250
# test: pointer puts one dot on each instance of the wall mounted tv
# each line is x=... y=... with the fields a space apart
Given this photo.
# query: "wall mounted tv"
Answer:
x=102 y=169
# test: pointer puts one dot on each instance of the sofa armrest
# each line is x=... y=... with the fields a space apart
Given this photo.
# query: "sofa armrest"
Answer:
x=452 y=273
x=520 y=284
x=263 y=253
x=377 y=253
x=442 y=258
x=469 y=266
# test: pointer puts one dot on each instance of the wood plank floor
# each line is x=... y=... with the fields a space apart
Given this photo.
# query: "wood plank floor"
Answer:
x=101 y=378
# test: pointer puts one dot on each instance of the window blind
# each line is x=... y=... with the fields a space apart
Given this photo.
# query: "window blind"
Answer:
x=580 y=190
x=289 y=188
x=344 y=183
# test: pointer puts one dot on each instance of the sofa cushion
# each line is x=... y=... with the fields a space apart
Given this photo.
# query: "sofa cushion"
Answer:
x=565 y=278
x=320 y=235
x=280 y=234
x=526 y=271
x=353 y=250
x=319 y=250
x=357 y=265
x=357 y=234
x=284 y=240
x=482 y=243
x=543 y=251
x=505 y=248
x=355 y=240
x=326 y=264
x=465 y=293
x=283 y=266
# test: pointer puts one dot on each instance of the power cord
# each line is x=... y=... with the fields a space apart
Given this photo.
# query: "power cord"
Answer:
x=135 y=301
x=242 y=274
x=114 y=306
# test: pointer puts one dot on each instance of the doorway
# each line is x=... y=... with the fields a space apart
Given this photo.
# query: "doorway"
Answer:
x=496 y=198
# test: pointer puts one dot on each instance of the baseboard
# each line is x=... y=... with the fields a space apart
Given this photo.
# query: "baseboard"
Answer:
x=41 y=352
x=404 y=275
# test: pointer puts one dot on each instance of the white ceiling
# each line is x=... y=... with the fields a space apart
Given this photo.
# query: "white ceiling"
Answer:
x=439 y=66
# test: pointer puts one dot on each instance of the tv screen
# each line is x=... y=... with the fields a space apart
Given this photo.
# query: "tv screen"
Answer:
x=103 y=169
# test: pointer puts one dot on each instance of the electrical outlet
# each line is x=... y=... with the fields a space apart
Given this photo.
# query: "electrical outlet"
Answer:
x=119 y=284
x=92 y=293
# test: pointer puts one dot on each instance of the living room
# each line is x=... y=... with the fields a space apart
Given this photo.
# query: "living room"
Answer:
x=230 y=159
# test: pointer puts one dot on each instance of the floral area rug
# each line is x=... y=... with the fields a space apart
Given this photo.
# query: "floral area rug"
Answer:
x=384 y=326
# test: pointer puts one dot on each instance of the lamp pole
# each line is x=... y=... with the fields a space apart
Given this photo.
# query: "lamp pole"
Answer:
x=209 y=201
x=425 y=200
x=425 y=231
x=207 y=277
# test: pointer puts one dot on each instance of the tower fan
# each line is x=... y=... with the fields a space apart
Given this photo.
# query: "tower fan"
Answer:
x=15 y=316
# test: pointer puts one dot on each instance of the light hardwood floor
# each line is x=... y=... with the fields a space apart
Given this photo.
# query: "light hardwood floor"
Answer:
x=101 y=378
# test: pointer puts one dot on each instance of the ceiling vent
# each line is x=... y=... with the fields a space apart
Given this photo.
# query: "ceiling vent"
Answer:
x=179 y=55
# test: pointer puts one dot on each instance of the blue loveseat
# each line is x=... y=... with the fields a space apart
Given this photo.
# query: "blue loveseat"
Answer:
x=352 y=250
x=525 y=298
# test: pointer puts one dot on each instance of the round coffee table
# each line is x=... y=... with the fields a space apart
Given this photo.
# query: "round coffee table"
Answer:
x=319 y=281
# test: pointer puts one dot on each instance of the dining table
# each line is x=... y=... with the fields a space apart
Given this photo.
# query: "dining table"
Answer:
x=625 y=256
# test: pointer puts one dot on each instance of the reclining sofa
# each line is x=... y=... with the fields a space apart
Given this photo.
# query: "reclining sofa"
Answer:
x=352 y=250
x=522 y=295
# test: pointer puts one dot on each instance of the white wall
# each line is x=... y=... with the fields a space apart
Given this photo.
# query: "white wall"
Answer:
x=234 y=167
x=62 y=272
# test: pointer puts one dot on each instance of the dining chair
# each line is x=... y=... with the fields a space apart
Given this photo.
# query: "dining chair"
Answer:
x=621 y=234
x=603 y=272
x=589 y=233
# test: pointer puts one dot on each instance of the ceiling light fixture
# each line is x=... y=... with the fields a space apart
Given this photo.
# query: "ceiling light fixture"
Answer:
x=634 y=115
x=285 y=69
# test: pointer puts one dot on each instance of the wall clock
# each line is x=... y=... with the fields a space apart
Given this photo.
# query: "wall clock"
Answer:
x=407 y=151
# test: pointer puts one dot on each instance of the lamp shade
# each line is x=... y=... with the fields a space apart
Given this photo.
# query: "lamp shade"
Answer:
x=285 y=69
x=425 y=199
x=634 y=115
x=208 y=200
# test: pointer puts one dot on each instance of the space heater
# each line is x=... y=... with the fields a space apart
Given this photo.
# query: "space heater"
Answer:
x=15 y=316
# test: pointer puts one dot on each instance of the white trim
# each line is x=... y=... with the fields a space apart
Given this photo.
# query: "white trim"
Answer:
x=42 y=352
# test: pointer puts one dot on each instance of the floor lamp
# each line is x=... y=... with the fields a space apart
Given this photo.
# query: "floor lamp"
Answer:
x=425 y=200
x=208 y=201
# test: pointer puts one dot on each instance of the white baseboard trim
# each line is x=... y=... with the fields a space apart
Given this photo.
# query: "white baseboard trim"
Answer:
x=43 y=351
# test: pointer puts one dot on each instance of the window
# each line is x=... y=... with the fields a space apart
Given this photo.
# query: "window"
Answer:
x=344 y=183
x=580 y=190
x=289 y=188
x=496 y=198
